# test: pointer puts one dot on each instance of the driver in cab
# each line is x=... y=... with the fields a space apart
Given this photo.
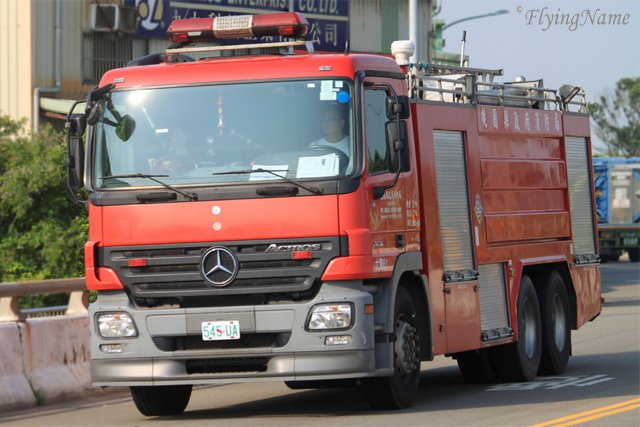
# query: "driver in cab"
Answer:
x=181 y=156
x=333 y=124
x=335 y=137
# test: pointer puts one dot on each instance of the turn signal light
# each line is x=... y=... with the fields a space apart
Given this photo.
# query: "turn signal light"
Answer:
x=301 y=255
x=141 y=262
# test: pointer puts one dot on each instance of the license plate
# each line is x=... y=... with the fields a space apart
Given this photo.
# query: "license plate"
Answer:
x=221 y=330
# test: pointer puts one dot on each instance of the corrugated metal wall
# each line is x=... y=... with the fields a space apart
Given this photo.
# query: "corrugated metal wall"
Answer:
x=75 y=15
x=375 y=24
x=157 y=45
x=16 y=58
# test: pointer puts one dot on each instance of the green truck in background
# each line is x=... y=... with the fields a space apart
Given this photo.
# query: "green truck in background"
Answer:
x=617 y=190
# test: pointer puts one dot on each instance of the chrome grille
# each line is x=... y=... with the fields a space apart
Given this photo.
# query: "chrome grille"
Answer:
x=173 y=271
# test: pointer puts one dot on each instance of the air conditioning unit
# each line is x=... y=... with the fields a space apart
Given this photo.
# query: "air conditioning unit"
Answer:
x=113 y=17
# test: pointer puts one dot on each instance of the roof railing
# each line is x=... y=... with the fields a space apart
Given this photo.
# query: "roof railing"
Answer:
x=464 y=85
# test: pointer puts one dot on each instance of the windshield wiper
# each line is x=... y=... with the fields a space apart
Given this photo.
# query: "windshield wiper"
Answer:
x=310 y=189
x=190 y=196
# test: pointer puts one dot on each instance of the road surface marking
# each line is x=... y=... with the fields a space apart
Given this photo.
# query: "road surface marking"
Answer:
x=594 y=414
x=552 y=383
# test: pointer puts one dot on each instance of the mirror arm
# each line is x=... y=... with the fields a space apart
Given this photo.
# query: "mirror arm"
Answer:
x=74 y=131
x=97 y=94
x=70 y=162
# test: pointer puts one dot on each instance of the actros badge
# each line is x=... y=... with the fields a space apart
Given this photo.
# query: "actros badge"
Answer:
x=219 y=266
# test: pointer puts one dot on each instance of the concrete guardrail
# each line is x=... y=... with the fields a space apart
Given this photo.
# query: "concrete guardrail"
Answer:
x=43 y=358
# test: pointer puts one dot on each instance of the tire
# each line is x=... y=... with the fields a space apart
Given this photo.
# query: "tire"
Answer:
x=519 y=361
x=556 y=332
x=634 y=254
x=399 y=390
x=161 y=400
x=476 y=367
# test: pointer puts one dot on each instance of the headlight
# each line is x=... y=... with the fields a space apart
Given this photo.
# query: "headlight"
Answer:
x=326 y=317
x=116 y=325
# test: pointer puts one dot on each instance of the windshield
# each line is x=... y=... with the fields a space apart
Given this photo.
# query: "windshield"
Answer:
x=201 y=135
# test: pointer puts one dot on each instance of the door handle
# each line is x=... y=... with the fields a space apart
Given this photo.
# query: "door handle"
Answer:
x=400 y=240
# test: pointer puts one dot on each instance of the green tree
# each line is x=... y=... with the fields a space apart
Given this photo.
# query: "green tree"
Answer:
x=617 y=119
x=42 y=232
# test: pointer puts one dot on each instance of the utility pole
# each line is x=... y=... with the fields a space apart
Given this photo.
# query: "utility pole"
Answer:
x=414 y=29
x=429 y=26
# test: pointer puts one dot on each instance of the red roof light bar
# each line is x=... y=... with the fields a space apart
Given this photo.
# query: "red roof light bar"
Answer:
x=289 y=24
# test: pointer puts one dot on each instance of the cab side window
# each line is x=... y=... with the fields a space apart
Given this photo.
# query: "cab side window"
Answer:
x=375 y=119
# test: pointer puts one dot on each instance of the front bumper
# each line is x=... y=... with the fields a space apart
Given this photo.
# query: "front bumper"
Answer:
x=274 y=343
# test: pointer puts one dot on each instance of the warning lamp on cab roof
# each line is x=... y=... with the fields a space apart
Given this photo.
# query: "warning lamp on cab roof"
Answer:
x=290 y=24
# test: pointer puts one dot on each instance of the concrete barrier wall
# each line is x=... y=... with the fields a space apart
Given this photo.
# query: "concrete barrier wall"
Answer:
x=56 y=353
x=15 y=391
x=43 y=360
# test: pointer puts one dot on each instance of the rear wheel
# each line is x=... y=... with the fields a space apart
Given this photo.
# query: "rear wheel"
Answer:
x=519 y=361
x=556 y=333
x=475 y=366
x=399 y=390
x=161 y=400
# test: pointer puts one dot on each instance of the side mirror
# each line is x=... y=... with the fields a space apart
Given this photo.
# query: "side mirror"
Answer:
x=397 y=145
x=126 y=126
x=75 y=125
x=397 y=106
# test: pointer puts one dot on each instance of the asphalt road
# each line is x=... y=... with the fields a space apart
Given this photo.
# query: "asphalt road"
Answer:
x=601 y=387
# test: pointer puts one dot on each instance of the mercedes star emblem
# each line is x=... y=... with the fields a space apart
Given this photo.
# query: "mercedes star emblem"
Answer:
x=219 y=266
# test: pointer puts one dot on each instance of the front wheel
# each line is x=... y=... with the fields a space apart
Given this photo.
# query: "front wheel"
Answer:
x=161 y=400
x=399 y=390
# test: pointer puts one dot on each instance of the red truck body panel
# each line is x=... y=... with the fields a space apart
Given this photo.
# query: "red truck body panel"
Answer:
x=521 y=179
x=238 y=69
x=237 y=220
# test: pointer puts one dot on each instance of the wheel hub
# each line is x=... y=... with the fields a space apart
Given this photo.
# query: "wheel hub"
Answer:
x=407 y=348
x=529 y=331
x=559 y=322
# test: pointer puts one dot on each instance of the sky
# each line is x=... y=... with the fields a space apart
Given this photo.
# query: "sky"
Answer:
x=524 y=42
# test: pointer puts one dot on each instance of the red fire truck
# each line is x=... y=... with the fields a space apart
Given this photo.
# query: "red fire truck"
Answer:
x=266 y=213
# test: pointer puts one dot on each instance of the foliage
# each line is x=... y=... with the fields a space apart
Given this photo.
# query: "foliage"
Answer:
x=42 y=232
x=617 y=119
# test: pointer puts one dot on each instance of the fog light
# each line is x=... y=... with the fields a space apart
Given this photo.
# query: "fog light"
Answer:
x=116 y=325
x=329 y=316
x=338 y=340
x=111 y=348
